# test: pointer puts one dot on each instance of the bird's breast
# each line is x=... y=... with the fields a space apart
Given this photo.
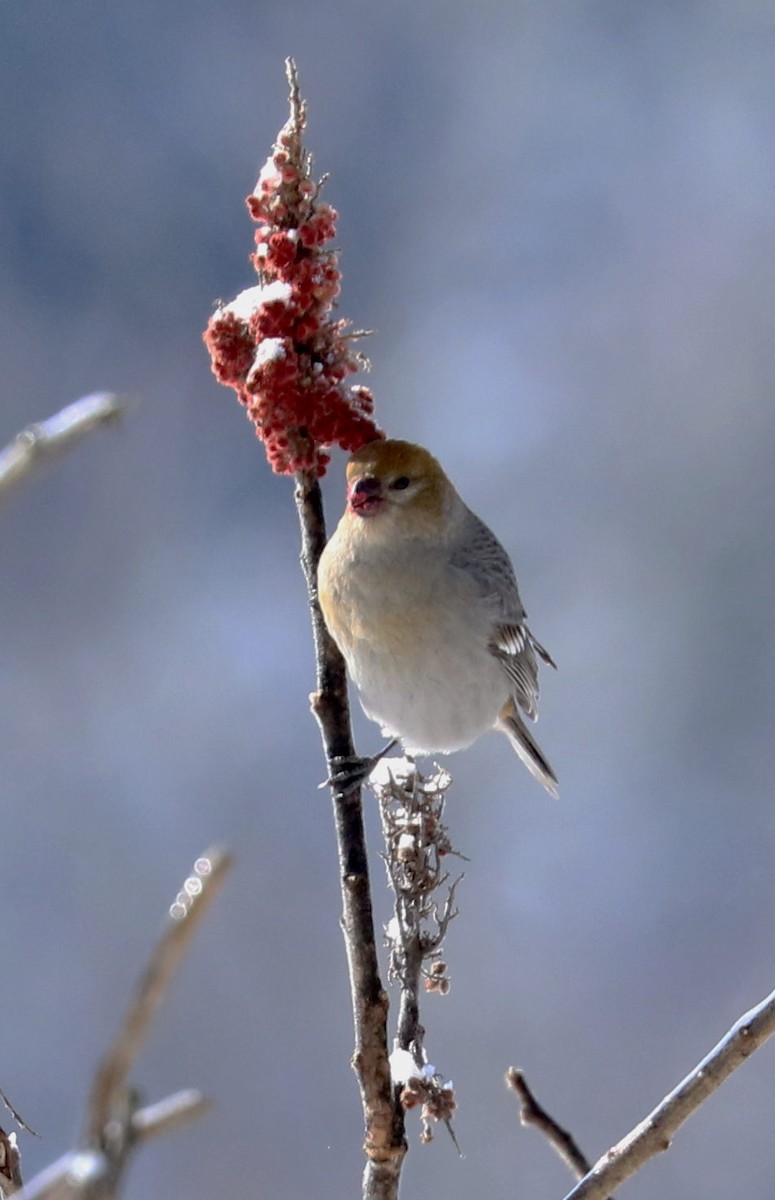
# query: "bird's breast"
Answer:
x=415 y=640
x=390 y=602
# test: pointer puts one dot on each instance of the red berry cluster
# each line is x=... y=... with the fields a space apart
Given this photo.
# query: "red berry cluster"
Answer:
x=277 y=344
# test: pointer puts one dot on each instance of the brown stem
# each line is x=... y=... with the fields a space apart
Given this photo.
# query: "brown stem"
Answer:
x=532 y=1113
x=410 y=1034
x=385 y=1143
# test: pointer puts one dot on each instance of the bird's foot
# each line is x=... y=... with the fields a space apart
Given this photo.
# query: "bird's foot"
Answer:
x=351 y=771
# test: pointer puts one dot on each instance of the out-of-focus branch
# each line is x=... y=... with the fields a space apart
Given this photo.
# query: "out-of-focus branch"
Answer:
x=75 y=1175
x=170 y=1114
x=184 y=917
x=87 y=1174
x=44 y=440
x=655 y=1132
x=385 y=1144
x=115 y=1122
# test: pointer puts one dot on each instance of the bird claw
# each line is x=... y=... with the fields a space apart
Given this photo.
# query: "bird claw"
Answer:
x=351 y=770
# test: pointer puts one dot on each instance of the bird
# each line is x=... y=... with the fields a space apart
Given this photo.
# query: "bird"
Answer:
x=422 y=600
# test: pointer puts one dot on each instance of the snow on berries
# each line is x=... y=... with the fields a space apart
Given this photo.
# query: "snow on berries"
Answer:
x=278 y=344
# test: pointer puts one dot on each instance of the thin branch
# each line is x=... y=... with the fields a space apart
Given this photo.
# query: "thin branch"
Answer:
x=184 y=917
x=115 y=1123
x=183 y=920
x=45 y=440
x=385 y=1144
x=532 y=1113
x=655 y=1132
x=410 y=1033
x=17 y=1116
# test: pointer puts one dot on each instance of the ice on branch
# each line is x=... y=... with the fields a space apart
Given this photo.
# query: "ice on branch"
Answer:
x=278 y=344
x=403 y=1067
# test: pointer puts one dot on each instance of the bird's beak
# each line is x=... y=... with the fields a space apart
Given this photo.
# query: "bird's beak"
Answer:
x=365 y=496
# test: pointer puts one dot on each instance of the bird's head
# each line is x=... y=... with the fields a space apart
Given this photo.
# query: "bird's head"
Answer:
x=398 y=484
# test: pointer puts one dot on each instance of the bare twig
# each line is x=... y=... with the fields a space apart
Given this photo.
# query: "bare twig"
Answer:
x=385 y=1145
x=532 y=1113
x=17 y=1116
x=655 y=1132
x=47 y=439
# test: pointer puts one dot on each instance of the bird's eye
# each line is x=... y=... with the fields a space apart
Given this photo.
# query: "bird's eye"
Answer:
x=398 y=485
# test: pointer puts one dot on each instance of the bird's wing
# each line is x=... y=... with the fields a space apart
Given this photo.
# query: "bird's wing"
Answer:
x=479 y=553
x=484 y=559
x=518 y=651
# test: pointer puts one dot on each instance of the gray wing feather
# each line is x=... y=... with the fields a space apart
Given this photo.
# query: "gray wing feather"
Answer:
x=483 y=558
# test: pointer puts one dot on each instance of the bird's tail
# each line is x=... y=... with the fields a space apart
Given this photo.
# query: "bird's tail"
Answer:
x=511 y=723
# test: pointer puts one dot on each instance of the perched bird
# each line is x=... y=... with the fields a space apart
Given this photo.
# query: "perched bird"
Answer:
x=422 y=601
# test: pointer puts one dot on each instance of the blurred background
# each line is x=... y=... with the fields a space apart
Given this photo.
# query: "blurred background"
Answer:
x=558 y=218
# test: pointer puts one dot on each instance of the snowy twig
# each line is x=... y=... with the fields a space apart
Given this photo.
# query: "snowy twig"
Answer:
x=416 y=848
x=655 y=1132
x=47 y=439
